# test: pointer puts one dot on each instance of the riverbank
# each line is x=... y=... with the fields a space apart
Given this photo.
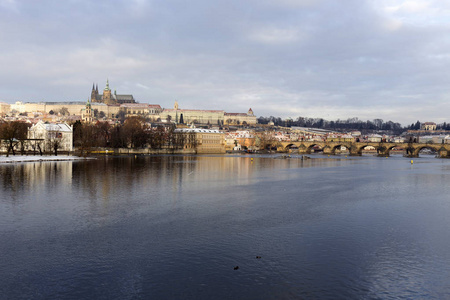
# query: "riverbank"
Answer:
x=33 y=158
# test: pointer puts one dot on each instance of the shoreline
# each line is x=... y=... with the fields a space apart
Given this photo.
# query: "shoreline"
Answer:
x=38 y=158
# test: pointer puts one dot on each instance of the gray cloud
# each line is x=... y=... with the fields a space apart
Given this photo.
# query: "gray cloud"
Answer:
x=332 y=59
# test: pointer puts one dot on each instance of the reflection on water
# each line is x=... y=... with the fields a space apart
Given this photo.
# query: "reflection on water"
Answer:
x=174 y=227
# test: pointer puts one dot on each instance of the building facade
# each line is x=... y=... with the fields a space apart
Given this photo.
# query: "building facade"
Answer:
x=4 y=108
x=206 y=117
x=240 y=118
x=428 y=126
x=60 y=134
x=203 y=140
x=141 y=109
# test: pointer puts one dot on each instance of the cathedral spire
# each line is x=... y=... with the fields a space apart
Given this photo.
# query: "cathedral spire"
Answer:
x=107 y=85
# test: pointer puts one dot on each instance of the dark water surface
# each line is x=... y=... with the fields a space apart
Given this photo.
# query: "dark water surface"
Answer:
x=174 y=227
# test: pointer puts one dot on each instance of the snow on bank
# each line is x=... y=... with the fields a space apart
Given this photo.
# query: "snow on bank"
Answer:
x=29 y=158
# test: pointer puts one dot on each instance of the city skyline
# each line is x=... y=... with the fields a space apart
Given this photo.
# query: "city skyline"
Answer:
x=321 y=59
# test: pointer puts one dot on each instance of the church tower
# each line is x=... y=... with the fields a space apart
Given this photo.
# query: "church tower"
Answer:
x=87 y=114
x=94 y=94
x=107 y=94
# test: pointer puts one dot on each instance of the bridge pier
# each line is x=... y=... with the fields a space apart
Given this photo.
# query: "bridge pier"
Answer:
x=382 y=152
x=443 y=153
x=328 y=151
x=303 y=150
x=354 y=151
x=355 y=154
x=411 y=151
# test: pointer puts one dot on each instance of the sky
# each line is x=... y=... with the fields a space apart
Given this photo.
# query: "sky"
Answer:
x=331 y=59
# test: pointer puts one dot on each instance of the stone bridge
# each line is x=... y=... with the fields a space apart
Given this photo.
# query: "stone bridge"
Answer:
x=356 y=148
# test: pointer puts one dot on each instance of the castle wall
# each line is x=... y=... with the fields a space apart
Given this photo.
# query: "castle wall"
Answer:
x=240 y=119
x=4 y=108
x=74 y=108
x=212 y=117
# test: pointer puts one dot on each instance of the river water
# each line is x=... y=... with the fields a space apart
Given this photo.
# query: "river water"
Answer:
x=175 y=227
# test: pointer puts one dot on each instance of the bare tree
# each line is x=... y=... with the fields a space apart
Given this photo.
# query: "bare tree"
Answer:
x=103 y=132
x=157 y=137
x=264 y=139
x=54 y=140
x=136 y=132
x=12 y=132
x=84 y=136
x=64 y=111
x=121 y=116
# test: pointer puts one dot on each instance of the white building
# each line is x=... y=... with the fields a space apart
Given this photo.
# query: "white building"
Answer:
x=374 y=138
x=426 y=139
x=60 y=134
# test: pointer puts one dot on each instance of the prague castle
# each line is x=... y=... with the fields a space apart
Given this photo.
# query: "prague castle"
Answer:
x=110 y=104
x=109 y=98
x=207 y=117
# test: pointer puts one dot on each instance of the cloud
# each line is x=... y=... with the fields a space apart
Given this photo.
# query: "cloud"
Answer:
x=417 y=12
x=10 y=5
x=371 y=59
x=275 y=35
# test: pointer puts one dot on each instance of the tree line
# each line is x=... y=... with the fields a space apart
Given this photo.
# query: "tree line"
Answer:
x=134 y=132
x=348 y=124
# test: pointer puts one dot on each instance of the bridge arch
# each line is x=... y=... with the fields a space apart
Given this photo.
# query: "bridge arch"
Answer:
x=315 y=145
x=359 y=149
x=339 y=147
x=392 y=147
x=276 y=145
x=422 y=147
x=291 y=146
x=334 y=148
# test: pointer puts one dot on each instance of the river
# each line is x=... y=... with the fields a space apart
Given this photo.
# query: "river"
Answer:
x=226 y=227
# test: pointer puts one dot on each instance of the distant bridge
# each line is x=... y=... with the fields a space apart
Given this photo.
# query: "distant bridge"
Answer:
x=356 y=148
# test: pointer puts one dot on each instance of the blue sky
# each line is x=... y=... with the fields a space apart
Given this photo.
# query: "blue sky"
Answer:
x=385 y=59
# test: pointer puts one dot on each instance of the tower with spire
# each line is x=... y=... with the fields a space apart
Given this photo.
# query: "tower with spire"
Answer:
x=107 y=94
x=94 y=93
x=87 y=115
x=108 y=98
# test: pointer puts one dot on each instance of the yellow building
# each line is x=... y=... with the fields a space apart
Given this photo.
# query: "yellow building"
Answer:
x=240 y=118
x=192 y=116
x=206 y=117
x=141 y=109
x=428 y=126
x=340 y=138
x=203 y=140
x=4 y=108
